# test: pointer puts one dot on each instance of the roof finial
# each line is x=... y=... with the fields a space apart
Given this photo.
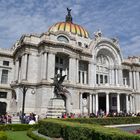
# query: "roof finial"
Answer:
x=68 y=16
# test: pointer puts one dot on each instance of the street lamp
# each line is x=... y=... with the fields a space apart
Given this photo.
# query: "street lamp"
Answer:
x=24 y=89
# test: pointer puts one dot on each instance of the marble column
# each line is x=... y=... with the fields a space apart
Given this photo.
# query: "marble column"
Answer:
x=93 y=103
x=99 y=79
x=133 y=104
x=131 y=110
x=91 y=74
x=72 y=70
x=90 y=103
x=134 y=79
x=81 y=107
x=96 y=106
x=81 y=77
x=120 y=77
x=41 y=65
x=116 y=76
x=130 y=79
x=113 y=77
x=103 y=79
x=85 y=77
x=24 y=74
x=127 y=105
x=118 y=102
x=17 y=69
x=107 y=103
x=138 y=80
x=45 y=65
x=22 y=68
x=77 y=70
x=110 y=77
x=51 y=66
x=94 y=74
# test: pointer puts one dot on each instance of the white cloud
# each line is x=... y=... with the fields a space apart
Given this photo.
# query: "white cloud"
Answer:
x=132 y=47
x=115 y=18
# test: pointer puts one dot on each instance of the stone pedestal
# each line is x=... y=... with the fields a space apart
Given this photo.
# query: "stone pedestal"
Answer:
x=56 y=108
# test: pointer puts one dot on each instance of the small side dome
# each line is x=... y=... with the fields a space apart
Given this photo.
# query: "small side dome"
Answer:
x=70 y=27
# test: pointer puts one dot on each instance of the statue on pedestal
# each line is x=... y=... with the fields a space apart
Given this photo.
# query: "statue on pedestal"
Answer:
x=58 y=87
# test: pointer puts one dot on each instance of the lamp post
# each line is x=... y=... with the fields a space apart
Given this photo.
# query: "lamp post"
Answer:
x=24 y=89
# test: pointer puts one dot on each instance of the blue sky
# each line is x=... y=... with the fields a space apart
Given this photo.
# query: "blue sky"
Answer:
x=115 y=18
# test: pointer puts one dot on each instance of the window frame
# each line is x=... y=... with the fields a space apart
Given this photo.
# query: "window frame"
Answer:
x=6 y=63
x=4 y=77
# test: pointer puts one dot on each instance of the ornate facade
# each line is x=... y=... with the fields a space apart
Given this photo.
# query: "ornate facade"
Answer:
x=97 y=75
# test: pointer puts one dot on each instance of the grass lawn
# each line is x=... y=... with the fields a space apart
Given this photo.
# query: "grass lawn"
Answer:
x=17 y=135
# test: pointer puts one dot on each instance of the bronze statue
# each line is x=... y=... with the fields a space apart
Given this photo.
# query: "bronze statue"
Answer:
x=68 y=16
x=57 y=83
x=69 y=10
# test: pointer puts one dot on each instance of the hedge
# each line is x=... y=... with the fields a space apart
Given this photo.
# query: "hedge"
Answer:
x=3 y=135
x=78 y=131
x=106 y=121
x=34 y=136
x=17 y=127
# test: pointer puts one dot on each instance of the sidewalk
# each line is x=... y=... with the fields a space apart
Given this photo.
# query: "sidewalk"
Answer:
x=46 y=137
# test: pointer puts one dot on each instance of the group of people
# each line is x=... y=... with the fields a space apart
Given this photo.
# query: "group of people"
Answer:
x=100 y=114
x=67 y=115
x=114 y=114
x=31 y=118
x=5 y=119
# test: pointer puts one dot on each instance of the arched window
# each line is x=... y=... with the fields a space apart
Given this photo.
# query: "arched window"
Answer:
x=102 y=69
x=62 y=39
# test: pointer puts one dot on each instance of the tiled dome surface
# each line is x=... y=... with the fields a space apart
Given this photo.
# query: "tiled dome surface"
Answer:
x=69 y=27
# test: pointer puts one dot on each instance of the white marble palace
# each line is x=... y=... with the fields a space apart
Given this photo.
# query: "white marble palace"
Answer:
x=97 y=75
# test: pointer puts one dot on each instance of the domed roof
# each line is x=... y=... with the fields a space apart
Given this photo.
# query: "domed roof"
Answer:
x=68 y=26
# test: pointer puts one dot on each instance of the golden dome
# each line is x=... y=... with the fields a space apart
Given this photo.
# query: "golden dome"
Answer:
x=69 y=27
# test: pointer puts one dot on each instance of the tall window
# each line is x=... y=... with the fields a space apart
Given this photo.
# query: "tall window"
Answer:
x=102 y=69
x=4 y=77
x=83 y=72
x=62 y=65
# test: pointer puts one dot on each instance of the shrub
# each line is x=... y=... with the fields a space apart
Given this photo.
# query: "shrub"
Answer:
x=17 y=127
x=50 y=129
x=78 y=131
x=3 y=136
x=106 y=121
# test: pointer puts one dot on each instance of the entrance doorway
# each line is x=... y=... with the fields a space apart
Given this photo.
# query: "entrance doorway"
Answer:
x=102 y=103
x=123 y=102
x=3 y=106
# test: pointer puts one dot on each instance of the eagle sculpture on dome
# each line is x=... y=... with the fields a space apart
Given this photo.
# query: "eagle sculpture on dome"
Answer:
x=68 y=16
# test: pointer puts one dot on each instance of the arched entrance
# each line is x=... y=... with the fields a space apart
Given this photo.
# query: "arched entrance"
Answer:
x=3 y=106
